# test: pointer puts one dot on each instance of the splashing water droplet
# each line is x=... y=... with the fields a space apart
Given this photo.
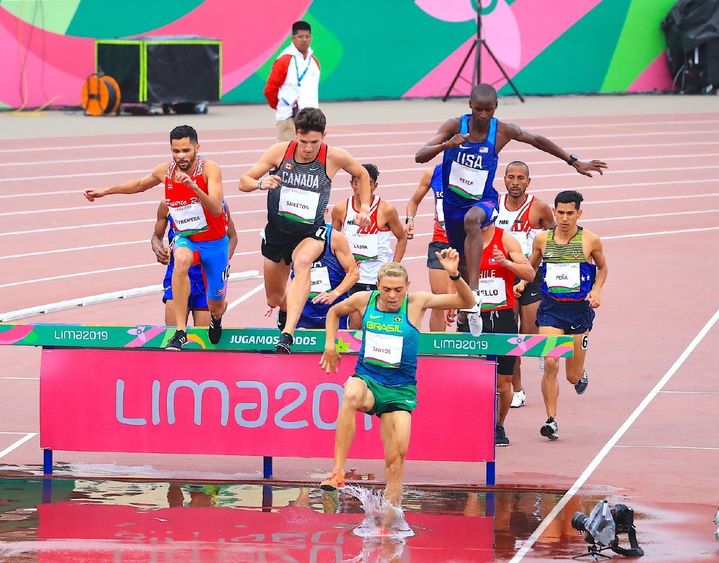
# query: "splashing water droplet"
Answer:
x=382 y=519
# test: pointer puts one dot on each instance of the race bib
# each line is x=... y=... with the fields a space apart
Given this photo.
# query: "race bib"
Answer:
x=189 y=219
x=439 y=210
x=383 y=349
x=467 y=182
x=319 y=280
x=563 y=278
x=298 y=205
x=363 y=246
x=493 y=292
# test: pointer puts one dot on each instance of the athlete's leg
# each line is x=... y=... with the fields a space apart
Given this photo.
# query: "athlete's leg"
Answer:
x=439 y=283
x=395 y=430
x=504 y=397
x=304 y=255
x=275 y=275
x=169 y=313
x=575 y=364
x=181 y=285
x=217 y=307
x=550 y=386
x=200 y=317
x=473 y=243
x=356 y=397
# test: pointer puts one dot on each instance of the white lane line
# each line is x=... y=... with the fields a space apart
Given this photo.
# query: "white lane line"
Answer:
x=689 y=392
x=17 y=444
x=419 y=215
x=514 y=148
x=343 y=189
x=612 y=442
x=253 y=252
x=595 y=123
x=90 y=207
x=16 y=433
x=416 y=168
x=701 y=448
x=246 y=296
x=19 y=379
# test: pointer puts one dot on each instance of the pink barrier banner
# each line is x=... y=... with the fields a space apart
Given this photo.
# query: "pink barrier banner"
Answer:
x=285 y=534
x=249 y=404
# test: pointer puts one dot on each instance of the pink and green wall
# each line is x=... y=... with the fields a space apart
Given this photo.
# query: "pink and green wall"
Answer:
x=367 y=49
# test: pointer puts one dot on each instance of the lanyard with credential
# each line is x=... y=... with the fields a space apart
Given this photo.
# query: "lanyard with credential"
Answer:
x=297 y=69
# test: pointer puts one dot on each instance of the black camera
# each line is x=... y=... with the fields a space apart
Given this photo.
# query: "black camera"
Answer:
x=602 y=527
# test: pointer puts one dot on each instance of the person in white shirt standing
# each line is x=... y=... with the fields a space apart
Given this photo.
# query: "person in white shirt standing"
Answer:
x=294 y=81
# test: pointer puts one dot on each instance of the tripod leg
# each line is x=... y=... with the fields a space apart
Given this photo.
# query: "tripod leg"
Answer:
x=461 y=68
x=501 y=68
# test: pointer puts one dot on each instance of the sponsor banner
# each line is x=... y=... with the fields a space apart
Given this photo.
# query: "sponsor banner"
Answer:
x=264 y=339
x=250 y=404
x=284 y=534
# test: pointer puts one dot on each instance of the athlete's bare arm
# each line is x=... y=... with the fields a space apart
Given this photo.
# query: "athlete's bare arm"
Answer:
x=212 y=200
x=157 y=176
x=356 y=303
x=340 y=159
x=544 y=216
x=391 y=220
x=415 y=200
x=515 y=261
x=538 y=245
x=423 y=300
x=508 y=131
x=339 y=212
x=158 y=234
x=343 y=253
x=272 y=158
x=231 y=234
x=597 y=256
x=447 y=137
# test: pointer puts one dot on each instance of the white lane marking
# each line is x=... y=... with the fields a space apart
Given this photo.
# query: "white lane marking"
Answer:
x=707 y=448
x=611 y=443
x=17 y=444
x=246 y=296
x=144 y=241
x=596 y=123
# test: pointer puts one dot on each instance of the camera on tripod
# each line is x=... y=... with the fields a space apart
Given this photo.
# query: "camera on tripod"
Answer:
x=602 y=528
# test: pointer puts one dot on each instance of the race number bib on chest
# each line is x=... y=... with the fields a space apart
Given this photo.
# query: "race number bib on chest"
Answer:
x=383 y=349
x=439 y=207
x=563 y=278
x=189 y=218
x=320 y=280
x=467 y=182
x=298 y=205
x=363 y=246
x=493 y=292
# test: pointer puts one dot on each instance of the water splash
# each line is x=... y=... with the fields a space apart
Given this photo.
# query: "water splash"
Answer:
x=381 y=519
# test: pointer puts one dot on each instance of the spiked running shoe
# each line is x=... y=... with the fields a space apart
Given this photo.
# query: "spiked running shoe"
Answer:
x=581 y=385
x=518 y=399
x=550 y=429
x=284 y=344
x=333 y=482
x=214 y=331
x=281 y=319
x=500 y=437
x=178 y=340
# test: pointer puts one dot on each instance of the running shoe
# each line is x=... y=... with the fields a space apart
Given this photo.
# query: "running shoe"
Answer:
x=474 y=316
x=178 y=340
x=550 y=429
x=500 y=437
x=284 y=344
x=214 y=331
x=581 y=385
x=518 y=399
x=335 y=481
x=281 y=319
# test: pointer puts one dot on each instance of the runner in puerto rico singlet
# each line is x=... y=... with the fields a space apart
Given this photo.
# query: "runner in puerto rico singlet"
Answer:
x=198 y=229
x=371 y=246
x=467 y=179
